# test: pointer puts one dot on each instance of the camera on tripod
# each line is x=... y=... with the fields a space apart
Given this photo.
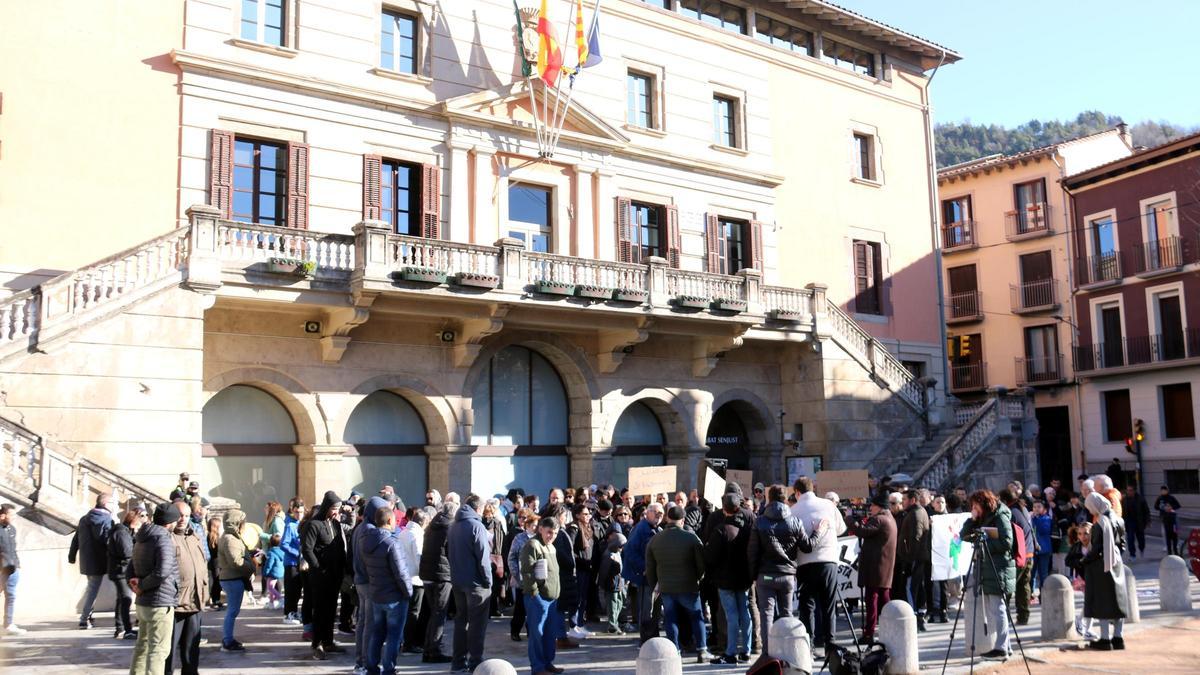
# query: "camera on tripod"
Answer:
x=974 y=536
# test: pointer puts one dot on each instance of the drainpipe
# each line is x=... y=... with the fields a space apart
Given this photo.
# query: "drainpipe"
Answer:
x=1067 y=210
x=931 y=172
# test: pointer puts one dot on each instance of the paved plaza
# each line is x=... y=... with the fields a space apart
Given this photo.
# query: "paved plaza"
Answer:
x=1168 y=642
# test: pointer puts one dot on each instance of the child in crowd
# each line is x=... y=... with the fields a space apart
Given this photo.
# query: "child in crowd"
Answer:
x=1044 y=547
x=272 y=571
x=1080 y=538
x=610 y=580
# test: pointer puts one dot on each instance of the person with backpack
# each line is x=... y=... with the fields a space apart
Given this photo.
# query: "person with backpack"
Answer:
x=1023 y=552
x=991 y=520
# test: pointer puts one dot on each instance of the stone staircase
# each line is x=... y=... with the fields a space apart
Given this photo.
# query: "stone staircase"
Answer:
x=994 y=443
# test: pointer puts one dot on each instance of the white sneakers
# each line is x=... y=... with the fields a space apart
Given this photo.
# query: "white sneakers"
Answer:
x=14 y=629
x=291 y=619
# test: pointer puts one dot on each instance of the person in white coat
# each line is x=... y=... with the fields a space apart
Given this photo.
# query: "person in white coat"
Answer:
x=817 y=571
x=411 y=541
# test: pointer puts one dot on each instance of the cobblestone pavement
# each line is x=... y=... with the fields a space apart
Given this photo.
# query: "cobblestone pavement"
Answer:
x=56 y=646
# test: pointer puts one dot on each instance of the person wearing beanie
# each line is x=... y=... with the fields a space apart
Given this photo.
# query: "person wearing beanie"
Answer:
x=235 y=569
x=154 y=578
x=725 y=554
x=324 y=549
x=675 y=564
x=876 y=559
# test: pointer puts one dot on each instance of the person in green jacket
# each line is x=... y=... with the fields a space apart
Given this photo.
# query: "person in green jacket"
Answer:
x=675 y=563
x=540 y=586
x=997 y=572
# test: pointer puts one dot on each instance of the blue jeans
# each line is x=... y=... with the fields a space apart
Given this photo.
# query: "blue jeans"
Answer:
x=545 y=624
x=1041 y=567
x=736 y=606
x=89 y=597
x=10 y=594
x=690 y=604
x=235 y=590
x=387 y=625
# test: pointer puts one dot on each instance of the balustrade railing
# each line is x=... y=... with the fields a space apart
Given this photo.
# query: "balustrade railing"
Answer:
x=968 y=377
x=19 y=317
x=956 y=455
x=786 y=302
x=878 y=359
x=1028 y=221
x=704 y=285
x=584 y=271
x=444 y=256
x=330 y=253
x=1138 y=350
x=1040 y=370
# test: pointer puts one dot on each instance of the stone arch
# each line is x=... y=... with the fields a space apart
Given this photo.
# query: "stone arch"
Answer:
x=300 y=403
x=438 y=416
x=761 y=427
x=673 y=416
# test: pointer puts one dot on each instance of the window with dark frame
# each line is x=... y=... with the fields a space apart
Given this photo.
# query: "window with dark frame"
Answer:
x=864 y=155
x=1178 y=419
x=1118 y=422
x=647 y=230
x=260 y=182
x=956 y=211
x=725 y=131
x=717 y=13
x=733 y=245
x=263 y=21
x=868 y=277
x=783 y=34
x=401 y=197
x=846 y=57
x=398 y=42
x=639 y=100
x=1182 y=481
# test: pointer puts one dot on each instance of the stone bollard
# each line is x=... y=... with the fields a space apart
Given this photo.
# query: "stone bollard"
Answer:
x=495 y=667
x=1058 y=608
x=1131 y=597
x=898 y=632
x=789 y=640
x=658 y=656
x=1173 y=579
x=974 y=621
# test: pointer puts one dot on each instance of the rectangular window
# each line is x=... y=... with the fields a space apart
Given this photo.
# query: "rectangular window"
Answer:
x=398 y=42
x=1168 y=318
x=1182 y=481
x=864 y=157
x=1029 y=202
x=781 y=34
x=725 y=131
x=964 y=292
x=1041 y=354
x=1112 y=337
x=868 y=278
x=847 y=57
x=263 y=21
x=715 y=13
x=639 y=100
x=529 y=216
x=1177 y=418
x=1118 y=425
x=733 y=245
x=260 y=182
x=956 y=211
x=647 y=230
x=401 y=197
x=1103 y=235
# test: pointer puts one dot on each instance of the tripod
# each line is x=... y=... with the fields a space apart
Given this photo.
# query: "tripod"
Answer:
x=840 y=602
x=973 y=568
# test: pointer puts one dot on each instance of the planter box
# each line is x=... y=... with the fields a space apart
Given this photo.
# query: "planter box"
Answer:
x=475 y=280
x=785 y=315
x=425 y=275
x=555 y=287
x=594 y=292
x=630 y=295
x=292 y=266
x=691 y=302
x=729 y=305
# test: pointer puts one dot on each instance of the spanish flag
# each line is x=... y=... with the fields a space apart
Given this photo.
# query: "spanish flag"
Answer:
x=549 y=61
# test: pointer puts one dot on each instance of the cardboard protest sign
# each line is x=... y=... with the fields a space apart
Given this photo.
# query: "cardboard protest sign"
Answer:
x=712 y=486
x=649 y=480
x=847 y=570
x=742 y=478
x=951 y=555
x=851 y=484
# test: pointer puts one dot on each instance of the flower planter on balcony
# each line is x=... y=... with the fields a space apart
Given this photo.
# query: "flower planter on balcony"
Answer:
x=476 y=280
x=788 y=315
x=630 y=295
x=593 y=292
x=551 y=287
x=292 y=266
x=729 y=305
x=425 y=275
x=692 y=302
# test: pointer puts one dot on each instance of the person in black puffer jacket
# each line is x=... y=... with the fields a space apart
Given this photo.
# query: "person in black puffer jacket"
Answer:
x=725 y=555
x=154 y=576
x=324 y=549
x=773 y=552
x=90 y=547
x=120 y=552
x=435 y=574
x=588 y=544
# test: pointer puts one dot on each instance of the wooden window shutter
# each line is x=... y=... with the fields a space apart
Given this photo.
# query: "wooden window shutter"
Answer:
x=431 y=201
x=220 y=171
x=624 y=229
x=372 y=187
x=756 y=245
x=866 y=299
x=297 y=198
x=712 y=243
x=674 y=238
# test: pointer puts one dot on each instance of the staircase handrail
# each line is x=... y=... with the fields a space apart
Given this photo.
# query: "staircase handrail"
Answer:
x=886 y=452
x=878 y=359
x=961 y=448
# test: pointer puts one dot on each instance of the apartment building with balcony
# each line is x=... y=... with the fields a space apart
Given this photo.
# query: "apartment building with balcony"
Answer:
x=1136 y=244
x=1006 y=256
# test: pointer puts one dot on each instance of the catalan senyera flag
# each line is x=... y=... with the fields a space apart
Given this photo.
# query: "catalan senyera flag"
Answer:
x=581 y=45
x=549 y=61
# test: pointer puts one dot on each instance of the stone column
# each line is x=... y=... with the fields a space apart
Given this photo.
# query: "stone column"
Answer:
x=370 y=251
x=458 y=468
x=319 y=468
x=605 y=214
x=1058 y=608
x=819 y=315
x=1173 y=579
x=458 y=221
x=203 y=271
x=658 y=281
x=752 y=290
x=898 y=632
x=580 y=470
x=485 y=225
x=602 y=467
x=585 y=212
x=512 y=274
x=438 y=459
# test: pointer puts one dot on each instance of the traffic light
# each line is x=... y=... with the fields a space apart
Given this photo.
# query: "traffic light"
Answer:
x=964 y=345
x=1129 y=446
x=952 y=347
x=1139 y=431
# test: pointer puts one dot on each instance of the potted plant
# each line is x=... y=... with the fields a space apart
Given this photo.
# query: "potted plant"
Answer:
x=593 y=292
x=553 y=287
x=425 y=275
x=691 y=301
x=729 y=304
x=477 y=280
x=293 y=266
x=638 y=295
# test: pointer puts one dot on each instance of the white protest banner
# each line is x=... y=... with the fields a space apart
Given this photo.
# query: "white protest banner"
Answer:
x=951 y=555
x=850 y=484
x=650 y=480
x=712 y=486
x=847 y=570
x=742 y=478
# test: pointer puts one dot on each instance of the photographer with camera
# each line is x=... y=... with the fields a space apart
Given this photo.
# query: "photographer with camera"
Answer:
x=990 y=528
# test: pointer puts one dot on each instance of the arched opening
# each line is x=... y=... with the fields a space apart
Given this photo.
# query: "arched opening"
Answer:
x=520 y=424
x=247 y=454
x=387 y=447
x=637 y=441
x=727 y=437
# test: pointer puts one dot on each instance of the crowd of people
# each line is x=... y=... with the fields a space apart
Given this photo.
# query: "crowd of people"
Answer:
x=711 y=577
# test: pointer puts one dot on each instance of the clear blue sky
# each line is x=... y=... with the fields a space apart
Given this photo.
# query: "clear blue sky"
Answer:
x=1051 y=59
